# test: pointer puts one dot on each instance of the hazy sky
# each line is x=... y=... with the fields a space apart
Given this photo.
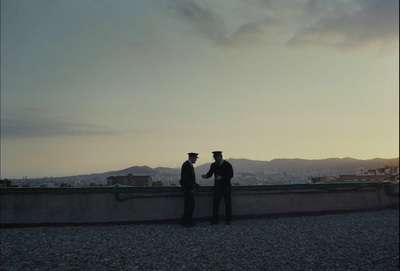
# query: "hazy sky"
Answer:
x=96 y=85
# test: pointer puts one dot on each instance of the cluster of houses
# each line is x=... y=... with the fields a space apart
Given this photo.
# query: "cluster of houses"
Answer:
x=131 y=180
x=390 y=173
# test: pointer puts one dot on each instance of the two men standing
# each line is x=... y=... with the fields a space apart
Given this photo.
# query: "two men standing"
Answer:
x=223 y=173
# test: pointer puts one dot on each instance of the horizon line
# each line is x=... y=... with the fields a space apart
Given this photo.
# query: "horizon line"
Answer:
x=230 y=158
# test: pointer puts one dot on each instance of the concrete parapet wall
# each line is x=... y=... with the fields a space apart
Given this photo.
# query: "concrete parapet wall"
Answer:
x=28 y=206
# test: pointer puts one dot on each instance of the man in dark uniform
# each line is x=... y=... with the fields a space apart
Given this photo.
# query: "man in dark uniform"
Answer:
x=223 y=173
x=188 y=183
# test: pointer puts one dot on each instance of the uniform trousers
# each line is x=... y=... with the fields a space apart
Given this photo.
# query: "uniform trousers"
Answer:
x=220 y=191
x=188 y=206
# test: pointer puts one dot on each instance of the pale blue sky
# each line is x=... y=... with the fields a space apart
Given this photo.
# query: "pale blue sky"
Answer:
x=93 y=86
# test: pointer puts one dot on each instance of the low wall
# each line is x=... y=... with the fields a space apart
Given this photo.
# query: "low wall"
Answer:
x=116 y=204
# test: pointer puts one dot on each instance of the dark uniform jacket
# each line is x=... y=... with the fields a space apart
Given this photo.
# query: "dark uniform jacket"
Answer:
x=224 y=170
x=188 y=177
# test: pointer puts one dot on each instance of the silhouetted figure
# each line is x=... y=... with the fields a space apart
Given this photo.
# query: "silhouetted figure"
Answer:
x=223 y=173
x=188 y=183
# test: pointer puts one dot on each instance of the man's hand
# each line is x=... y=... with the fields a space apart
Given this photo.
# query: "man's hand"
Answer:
x=192 y=191
x=218 y=178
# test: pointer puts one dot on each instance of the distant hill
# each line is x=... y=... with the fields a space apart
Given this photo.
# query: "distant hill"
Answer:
x=322 y=166
x=303 y=165
x=299 y=167
x=136 y=170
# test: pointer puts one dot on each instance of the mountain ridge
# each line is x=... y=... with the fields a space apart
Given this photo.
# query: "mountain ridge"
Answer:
x=310 y=167
x=297 y=164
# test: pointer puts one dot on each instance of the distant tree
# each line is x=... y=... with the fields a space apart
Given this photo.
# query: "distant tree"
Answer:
x=157 y=183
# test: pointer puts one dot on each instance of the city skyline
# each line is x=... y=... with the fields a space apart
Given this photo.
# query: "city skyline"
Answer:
x=96 y=86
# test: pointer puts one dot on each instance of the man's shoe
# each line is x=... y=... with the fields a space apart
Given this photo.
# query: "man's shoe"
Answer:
x=227 y=222
x=213 y=222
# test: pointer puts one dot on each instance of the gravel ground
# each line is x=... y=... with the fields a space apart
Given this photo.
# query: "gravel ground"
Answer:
x=352 y=241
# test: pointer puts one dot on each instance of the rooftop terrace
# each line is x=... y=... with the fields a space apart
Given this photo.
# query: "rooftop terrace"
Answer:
x=350 y=241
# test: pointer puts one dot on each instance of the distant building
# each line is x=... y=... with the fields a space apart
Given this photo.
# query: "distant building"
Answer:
x=295 y=181
x=5 y=183
x=320 y=179
x=131 y=180
x=388 y=172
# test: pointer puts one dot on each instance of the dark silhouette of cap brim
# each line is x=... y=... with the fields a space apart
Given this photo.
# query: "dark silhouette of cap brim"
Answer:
x=191 y=154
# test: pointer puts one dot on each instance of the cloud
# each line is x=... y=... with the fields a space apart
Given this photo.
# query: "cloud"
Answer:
x=303 y=22
x=34 y=123
x=350 y=23
x=206 y=22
